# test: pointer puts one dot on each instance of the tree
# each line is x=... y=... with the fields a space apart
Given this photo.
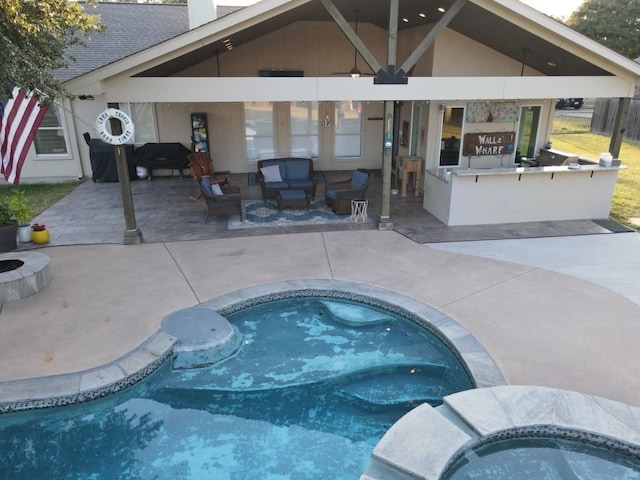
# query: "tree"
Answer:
x=613 y=23
x=34 y=37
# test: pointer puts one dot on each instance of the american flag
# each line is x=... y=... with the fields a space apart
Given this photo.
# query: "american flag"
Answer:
x=20 y=117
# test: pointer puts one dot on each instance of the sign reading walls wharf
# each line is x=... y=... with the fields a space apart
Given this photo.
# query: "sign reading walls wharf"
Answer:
x=489 y=143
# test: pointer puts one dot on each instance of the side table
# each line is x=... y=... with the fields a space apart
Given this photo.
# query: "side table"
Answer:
x=359 y=210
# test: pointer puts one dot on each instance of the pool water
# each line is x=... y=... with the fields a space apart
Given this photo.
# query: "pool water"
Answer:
x=314 y=387
x=532 y=458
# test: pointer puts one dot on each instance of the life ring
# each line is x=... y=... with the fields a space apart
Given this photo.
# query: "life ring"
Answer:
x=127 y=127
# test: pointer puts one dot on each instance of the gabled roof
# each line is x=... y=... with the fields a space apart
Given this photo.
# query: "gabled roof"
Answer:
x=507 y=26
x=131 y=28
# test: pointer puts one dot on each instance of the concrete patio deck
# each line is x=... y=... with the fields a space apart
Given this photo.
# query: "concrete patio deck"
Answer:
x=541 y=327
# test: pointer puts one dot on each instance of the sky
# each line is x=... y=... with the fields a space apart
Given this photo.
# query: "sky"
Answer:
x=556 y=8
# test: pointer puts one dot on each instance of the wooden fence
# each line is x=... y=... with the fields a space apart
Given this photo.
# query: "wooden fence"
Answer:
x=604 y=115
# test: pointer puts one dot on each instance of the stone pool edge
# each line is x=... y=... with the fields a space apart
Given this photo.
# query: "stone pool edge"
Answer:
x=67 y=389
x=426 y=441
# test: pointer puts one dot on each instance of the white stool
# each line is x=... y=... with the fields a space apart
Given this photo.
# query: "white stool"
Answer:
x=359 y=210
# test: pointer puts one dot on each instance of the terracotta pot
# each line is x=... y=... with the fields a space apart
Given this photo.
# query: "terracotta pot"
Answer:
x=41 y=236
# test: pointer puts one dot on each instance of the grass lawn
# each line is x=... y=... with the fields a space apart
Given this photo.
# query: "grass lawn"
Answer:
x=626 y=197
x=41 y=195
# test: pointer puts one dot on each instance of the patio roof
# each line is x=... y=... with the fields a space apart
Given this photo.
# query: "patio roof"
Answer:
x=506 y=26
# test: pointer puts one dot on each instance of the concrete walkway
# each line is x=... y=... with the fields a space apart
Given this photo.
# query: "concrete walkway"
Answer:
x=541 y=327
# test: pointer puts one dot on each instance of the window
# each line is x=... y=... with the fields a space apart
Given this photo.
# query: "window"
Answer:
x=304 y=129
x=528 y=132
x=451 y=135
x=348 y=131
x=142 y=116
x=50 y=137
x=258 y=122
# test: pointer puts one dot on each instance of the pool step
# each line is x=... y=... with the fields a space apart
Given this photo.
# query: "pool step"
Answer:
x=396 y=385
x=354 y=315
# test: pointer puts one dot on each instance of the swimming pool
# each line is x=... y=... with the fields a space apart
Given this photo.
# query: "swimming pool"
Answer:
x=544 y=458
x=314 y=386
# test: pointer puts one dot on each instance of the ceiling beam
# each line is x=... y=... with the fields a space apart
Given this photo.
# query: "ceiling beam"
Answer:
x=247 y=89
x=351 y=35
x=431 y=36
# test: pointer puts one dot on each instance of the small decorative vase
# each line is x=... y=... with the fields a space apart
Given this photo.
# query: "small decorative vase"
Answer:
x=41 y=236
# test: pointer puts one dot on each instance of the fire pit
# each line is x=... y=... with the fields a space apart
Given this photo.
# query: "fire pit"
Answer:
x=22 y=275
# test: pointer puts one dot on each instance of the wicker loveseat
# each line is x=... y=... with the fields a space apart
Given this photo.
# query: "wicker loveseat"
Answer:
x=286 y=174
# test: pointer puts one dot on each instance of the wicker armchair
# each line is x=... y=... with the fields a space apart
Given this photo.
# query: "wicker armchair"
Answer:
x=338 y=195
x=229 y=203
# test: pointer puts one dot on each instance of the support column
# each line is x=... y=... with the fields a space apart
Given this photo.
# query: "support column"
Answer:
x=132 y=234
x=384 y=221
x=619 y=127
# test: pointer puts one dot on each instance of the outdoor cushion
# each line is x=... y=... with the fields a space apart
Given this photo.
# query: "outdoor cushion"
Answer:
x=359 y=179
x=297 y=170
x=331 y=194
x=293 y=194
x=216 y=190
x=271 y=173
x=300 y=184
x=206 y=186
x=280 y=164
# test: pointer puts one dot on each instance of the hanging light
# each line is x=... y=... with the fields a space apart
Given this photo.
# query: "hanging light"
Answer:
x=355 y=71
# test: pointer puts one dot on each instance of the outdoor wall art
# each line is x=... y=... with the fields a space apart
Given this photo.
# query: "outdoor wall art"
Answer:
x=489 y=143
x=485 y=112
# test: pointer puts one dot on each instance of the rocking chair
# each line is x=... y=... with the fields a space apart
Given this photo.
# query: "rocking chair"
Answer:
x=202 y=166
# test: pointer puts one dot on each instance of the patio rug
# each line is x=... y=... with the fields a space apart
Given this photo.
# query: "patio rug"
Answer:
x=252 y=178
x=260 y=214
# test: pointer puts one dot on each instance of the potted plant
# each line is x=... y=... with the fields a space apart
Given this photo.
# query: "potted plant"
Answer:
x=39 y=233
x=8 y=228
x=22 y=212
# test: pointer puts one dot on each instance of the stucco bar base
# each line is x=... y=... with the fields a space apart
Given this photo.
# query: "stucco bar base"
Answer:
x=481 y=196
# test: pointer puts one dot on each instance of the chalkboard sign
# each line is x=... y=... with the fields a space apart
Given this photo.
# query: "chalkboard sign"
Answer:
x=489 y=143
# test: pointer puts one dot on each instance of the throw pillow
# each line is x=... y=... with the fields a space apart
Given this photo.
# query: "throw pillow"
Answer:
x=359 y=179
x=206 y=186
x=215 y=188
x=271 y=174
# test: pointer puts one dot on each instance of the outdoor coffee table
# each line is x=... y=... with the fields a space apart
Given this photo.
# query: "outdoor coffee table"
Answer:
x=293 y=198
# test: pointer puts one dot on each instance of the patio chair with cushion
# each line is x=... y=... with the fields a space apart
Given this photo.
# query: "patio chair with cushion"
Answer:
x=223 y=200
x=202 y=167
x=338 y=195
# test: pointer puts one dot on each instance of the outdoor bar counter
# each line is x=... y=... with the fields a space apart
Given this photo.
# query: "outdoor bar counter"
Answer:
x=477 y=196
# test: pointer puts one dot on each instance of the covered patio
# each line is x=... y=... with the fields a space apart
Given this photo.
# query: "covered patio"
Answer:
x=165 y=211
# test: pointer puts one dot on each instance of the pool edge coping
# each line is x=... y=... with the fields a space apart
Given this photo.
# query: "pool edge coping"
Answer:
x=468 y=419
x=70 y=388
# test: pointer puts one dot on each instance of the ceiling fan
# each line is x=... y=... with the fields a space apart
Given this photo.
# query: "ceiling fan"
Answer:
x=355 y=71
